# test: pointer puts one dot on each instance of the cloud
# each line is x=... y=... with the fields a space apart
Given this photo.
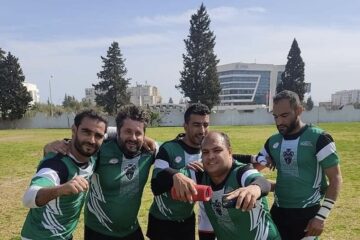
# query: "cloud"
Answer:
x=222 y=14
x=45 y=48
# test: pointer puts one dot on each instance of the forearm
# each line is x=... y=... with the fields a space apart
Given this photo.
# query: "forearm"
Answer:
x=163 y=181
x=332 y=192
x=333 y=189
x=45 y=195
x=264 y=185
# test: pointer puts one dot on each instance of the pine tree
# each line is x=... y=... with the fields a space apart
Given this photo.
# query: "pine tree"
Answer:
x=14 y=97
x=70 y=103
x=199 y=80
x=309 y=104
x=111 y=90
x=293 y=77
x=171 y=101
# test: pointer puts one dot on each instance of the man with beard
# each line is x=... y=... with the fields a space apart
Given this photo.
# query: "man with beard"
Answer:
x=57 y=191
x=118 y=181
x=304 y=156
x=235 y=185
x=170 y=219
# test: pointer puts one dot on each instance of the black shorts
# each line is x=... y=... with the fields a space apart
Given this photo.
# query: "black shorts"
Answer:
x=90 y=234
x=171 y=230
x=291 y=222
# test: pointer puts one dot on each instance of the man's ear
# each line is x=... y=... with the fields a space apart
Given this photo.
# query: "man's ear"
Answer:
x=299 y=110
x=73 y=130
x=185 y=126
x=230 y=151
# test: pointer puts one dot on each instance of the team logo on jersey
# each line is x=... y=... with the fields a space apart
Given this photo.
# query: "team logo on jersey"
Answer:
x=306 y=144
x=288 y=155
x=130 y=170
x=113 y=161
x=276 y=145
x=217 y=206
x=178 y=159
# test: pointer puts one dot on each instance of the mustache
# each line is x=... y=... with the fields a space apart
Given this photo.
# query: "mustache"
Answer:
x=131 y=141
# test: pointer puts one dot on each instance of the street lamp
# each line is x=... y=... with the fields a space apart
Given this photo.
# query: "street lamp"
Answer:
x=50 y=98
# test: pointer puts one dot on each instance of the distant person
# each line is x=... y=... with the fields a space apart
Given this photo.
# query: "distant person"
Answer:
x=304 y=156
x=58 y=189
x=235 y=186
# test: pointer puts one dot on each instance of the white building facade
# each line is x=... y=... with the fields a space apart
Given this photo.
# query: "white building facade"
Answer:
x=345 y=97
x=34 y=92
x=248 y=83
x=144 y=95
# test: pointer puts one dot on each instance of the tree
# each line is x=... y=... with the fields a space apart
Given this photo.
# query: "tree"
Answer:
x=199 y=80
x=111 y=90
x=14 y=97
x=70 y=103
x=171 y=101
x=309 y=104
x=293 y=77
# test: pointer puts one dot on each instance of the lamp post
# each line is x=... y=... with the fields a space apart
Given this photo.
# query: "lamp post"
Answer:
x=50 y=98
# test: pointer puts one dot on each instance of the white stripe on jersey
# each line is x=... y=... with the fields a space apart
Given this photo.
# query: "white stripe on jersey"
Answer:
x=162 y=164
x=326 y=151
x=30 y=196
x=49 y=174
x=246 y=175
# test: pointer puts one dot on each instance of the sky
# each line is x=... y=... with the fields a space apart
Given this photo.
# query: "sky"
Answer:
x=61 y=42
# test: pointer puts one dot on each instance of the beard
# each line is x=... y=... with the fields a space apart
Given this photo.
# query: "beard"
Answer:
x=129 y=147
x=197 y=139
x=287 y=129
x=85 y=148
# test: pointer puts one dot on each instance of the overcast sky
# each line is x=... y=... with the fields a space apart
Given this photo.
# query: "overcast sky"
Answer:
x=65 y=39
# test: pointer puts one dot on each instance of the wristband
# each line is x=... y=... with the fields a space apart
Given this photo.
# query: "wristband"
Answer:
x=261 y=160
x=325 y=208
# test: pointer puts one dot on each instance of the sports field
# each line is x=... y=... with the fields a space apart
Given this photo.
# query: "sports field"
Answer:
x=21 y=150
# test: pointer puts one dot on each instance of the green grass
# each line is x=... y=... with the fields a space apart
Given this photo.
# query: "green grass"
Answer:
x=21 y=150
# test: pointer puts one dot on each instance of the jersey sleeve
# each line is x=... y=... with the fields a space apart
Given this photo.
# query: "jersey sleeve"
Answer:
x=50 y=173
x=161 y=161
x=326 y=153
x=246 y=175
x=242 y=158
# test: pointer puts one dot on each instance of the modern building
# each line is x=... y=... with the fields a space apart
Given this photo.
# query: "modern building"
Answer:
x=248 y=83
x=144 y=95
x=345 y=97
x=34 y=92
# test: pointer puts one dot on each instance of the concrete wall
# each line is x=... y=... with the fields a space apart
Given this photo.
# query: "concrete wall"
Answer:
x=176 y=118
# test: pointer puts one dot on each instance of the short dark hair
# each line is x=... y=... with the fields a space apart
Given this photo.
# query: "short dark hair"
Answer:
x=289 y=95
x=224 y=136
x=89 y=114
x=134 y=113
x=196 y=108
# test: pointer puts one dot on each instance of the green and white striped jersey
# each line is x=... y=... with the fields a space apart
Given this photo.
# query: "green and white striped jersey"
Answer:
x=116 y=189
x=59 y=217
x=300 y=162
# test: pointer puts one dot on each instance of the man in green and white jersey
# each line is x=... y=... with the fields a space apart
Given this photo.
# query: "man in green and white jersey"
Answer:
x=57 y=191
x=169 y=219
x=231 y=181
x=304 y=156
x=122 y=169
x=118 y=181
